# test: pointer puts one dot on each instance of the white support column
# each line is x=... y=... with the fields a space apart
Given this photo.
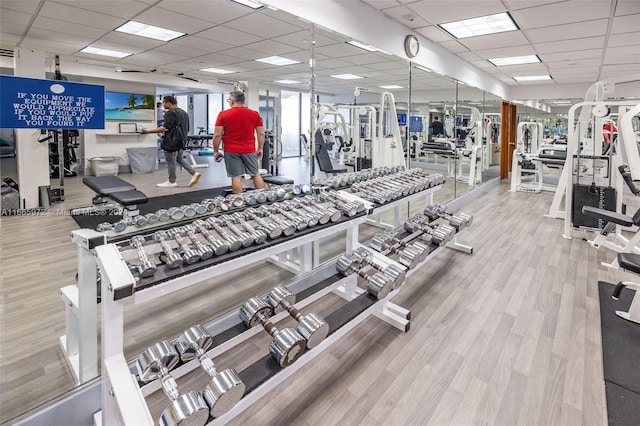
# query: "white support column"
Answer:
x=33 y=156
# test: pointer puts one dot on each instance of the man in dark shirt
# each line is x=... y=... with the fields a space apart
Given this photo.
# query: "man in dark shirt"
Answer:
x=436 y=127
x=172 y=116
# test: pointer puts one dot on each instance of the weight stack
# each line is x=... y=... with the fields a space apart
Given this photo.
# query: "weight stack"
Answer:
x=603 y=197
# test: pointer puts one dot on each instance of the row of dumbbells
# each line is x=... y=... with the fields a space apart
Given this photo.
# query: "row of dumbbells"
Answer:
x=287 y=344
x=224 y=390
x=347 y=179
x=388 y=188
x=380 y=279
x=217 y=235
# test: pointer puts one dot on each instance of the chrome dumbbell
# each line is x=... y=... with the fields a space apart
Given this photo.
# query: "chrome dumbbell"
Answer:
x=218 y=245
x=233 y=242
x=163 y=215
x=432 y=234
x=334 y=214
x=365 y=257
x=287 y=344
x=410 y=254
x=458 y=220
x=288 y=228
x=259 y=235
x=271 y=229
x=321 y=216
x=226 y=222
x=172 y=260
x=379 y=284
x=205 y=250
x=189 y=255
x=146 y=268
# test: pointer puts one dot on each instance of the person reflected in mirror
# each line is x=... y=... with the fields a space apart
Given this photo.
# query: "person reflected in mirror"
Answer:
x=237 y=128
x=436 y=128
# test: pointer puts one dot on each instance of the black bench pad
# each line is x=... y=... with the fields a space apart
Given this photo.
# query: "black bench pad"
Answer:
x=629 y=261
x=277 y=180
x=105 y=185
x=607 y=215
x=129 y=198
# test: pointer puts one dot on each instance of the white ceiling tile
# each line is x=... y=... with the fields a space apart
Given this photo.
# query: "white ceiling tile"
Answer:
x=616 y=70
x=120 y=8
x=561 y=13
x=153 y=58
x=200 y=43
x=244 y=53
x=217 y=12
x=407 y=17
x=453 y=46
x=302 y=39
x=594 y=28
x=50 y=24
x=172 y=21
x=14 y=29
x=470 y=56
x=13 y=17
x=229 y=35
x=339 y=50
x=64 y=14
x=48 y=45
x=570 y=45
x=506 y=52
x=578 y=54
x=494 y=41
x=627 y=39
x=8 y=40
x=69 y=39
x=524 y=4
x=574 y=64
x=25 y=6
x=272 y=48
x=263 y=26
x=333 y=63
x=622 y=55
x=626 y=24
x=523 y=69
x=183 y=50
x=627 y=7
x=131 y=40
x=576 y=78
x=434 y=34
x=440 y=13
x=382 y=4
x=577 y=71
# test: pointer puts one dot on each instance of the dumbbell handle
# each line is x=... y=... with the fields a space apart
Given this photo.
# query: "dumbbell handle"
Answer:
x=268 y=325
x=169 y=384
x=205 y=362
x=142 y=255
x=293 y=311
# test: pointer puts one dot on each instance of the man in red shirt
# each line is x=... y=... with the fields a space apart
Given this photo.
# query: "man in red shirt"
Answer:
x=238 y=126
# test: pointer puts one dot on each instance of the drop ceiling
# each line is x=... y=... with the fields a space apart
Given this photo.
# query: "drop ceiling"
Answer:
x=578 y=41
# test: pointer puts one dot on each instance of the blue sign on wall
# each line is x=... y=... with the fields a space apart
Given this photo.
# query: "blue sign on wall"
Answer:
x=31 y=103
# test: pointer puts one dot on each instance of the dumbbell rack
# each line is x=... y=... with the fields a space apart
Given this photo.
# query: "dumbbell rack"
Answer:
x=123 y=398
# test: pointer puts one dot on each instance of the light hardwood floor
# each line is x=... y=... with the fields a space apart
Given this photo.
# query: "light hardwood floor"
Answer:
x=508 y=335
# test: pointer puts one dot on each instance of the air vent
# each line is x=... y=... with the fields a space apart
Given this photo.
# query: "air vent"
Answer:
x=6 y=53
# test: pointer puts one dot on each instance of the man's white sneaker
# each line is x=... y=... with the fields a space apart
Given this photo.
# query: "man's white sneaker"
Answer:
x=194 y=179
x=167 y=184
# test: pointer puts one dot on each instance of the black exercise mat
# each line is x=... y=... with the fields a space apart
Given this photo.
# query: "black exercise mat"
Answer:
x=620 y=353
x=91 y=221
x=623 y=405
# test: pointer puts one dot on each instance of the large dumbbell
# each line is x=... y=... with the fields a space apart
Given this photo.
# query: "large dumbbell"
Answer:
x=439 y=235
x=311 y=326
x=287 y=344
x=146 y=268
x=172 y=259
x=189 y=408
x=300 y=223
x=189 y=255
x=233 y=242
x=411 y=253
x=395 y=272
x=459 y=220
x=334 y=214
x=312 y=218
x=218 y=222
x=379 y=284
x=321 y=216
x=218 y=245
x=271 y=229
x=259 y=235
x=288 y=228
x=226 y=388
x=205 y=250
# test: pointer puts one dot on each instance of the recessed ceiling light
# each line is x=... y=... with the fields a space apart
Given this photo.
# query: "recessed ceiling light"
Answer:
x=391 y=86
x=366 y=47
x=105 y=52
x=217 y=70
x=249 y=3
x=149 y=31
x=562 y=102
x=425 y=69
x=515 y=60
x=277 y=60
x=347 y=76
x=287 y=82
x=482 y=25
x=532 y=78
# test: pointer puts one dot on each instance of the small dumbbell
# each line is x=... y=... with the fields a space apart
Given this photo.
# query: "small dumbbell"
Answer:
x=176 y=213
x=287 y=344
x=440 y=235
x=311 y=326
x=395 y=272
x=459 y=220
x=205 y=250
x=189 y=408
x=379 y=284
x=163 y=215
x=219 y=246
x=146 y=268
x=104 y=227
x=151 y=218
x=226 y=388
x=189 y=255
x=172 y=260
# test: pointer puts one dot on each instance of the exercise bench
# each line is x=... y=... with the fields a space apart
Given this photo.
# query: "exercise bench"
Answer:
x=629 y=262
x=119 y=191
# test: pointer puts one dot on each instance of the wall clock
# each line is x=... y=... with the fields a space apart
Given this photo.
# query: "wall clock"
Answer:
x=411 y=46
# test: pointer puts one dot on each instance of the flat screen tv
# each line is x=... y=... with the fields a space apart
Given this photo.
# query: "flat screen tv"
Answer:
x=129 y=106
x=402 y=120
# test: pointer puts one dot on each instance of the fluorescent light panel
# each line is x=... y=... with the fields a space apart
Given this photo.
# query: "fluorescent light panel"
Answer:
x=149 y=31
x=366 y=47
x=490 y=24
x=561 y=102
x=515 y=60
x=249 y=3
x=105 y=52
x=347 y=76
x=217 y=70
x=278 y=61
x=391 y=86
x=423 y=68
x=287 y=82
x=532 y=78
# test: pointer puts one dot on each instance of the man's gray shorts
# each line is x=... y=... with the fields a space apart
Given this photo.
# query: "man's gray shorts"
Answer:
x=241 y=164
